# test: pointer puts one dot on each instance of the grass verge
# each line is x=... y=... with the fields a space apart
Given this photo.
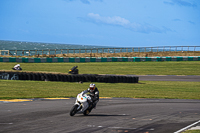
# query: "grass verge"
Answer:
x=192 y=131
x=11 y=89
x=136 y=68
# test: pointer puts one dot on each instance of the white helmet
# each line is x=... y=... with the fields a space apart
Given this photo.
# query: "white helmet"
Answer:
x=18 y=65
x=92 y=87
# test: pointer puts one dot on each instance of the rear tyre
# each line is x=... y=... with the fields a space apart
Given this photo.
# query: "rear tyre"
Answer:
x=86 y=112
x=73 y=111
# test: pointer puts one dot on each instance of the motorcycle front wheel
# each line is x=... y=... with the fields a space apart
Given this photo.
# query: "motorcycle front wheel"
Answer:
x=73 y=111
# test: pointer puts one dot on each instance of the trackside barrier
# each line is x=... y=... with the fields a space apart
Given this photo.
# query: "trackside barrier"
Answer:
x=11 y=75
x=101 y=59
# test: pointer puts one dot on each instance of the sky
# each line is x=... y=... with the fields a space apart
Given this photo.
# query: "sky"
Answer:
x=121 y=23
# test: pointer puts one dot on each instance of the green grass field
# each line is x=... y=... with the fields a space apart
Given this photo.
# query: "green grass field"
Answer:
x=144 y=89
x=138 y=68
x=10 y=89
x=192 y=131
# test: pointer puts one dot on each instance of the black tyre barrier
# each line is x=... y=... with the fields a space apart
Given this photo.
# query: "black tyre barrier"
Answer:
x=48 y=77
x=30 y=77
x=68 y=78
x=65 y=78
x=33 y=76
x=57 y=77
x=43 y=76
x=53 y=78
x=24 y=76
x=62 y=78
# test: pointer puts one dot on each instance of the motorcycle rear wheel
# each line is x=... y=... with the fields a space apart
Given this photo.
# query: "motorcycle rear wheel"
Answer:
x=73 y=111
x=86 y=112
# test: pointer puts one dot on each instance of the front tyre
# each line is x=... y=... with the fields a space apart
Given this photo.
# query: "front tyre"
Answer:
x=73 y=111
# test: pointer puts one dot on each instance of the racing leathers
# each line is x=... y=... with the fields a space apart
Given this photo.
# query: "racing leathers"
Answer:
x=94 y=96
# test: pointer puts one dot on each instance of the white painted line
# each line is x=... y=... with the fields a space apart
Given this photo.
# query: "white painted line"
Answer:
x=151 y=129
x=185 y=128
x=6 y=123
x=115 y=127
x=55 y=98
x=125 y=128
x=122 y=128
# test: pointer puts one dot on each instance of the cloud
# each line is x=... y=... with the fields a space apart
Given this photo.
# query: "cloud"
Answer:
x=180 y=3
x=122 y=22
x=191 y=22
x=176 y=19
x=85 y=1
x=108 y=20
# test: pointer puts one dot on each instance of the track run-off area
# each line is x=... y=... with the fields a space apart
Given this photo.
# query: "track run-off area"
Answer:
x=112 y=115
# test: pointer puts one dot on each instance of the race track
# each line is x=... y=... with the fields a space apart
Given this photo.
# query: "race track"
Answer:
x=189 y=78
x=112 y=115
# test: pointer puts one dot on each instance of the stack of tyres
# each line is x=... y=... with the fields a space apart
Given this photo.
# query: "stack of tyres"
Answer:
x=62 y=78
x=105 y=79
x=47 y=77
x=53 y=77
x=89 y=77
x=92 y=78
x=70 y=78
x=81 y=78
x=119 y=79
x=35 y=76
x=73 y=77
x=24 y=76
x=57 y=77
x=110 y=79
x=20 y=76
x=42 y=76
x=30 y=77
x=128 y=79
x=100 y=78
x=114 y=79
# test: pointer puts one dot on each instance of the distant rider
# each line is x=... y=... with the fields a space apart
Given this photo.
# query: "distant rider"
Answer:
x=17 y=67
x=94 y=93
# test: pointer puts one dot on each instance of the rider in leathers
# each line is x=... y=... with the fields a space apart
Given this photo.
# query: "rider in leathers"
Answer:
x=94 y=93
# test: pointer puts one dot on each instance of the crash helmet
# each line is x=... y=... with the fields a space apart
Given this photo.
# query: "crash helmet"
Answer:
x=18 y=65
x=92 y=87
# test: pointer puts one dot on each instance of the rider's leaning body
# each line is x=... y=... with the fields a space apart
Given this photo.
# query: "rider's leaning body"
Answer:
x=94 y=93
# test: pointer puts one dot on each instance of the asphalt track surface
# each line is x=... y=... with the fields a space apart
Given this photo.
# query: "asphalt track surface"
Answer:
x=112 y=115
x=189 y=78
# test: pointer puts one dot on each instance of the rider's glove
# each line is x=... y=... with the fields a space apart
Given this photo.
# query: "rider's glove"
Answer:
x=91 y=94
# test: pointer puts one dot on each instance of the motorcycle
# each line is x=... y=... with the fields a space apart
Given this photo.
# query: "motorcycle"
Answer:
x=81 y=105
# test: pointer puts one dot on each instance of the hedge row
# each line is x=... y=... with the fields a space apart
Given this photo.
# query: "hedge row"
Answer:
x=71 y=78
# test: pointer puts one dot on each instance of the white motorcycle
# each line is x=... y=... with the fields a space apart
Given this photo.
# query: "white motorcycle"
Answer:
x=81 y=105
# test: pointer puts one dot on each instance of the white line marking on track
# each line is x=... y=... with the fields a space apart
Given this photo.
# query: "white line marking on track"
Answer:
x=125 y=128
x=185 y=128
x=121 y=128
x=6 y=123
x=151 y=129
